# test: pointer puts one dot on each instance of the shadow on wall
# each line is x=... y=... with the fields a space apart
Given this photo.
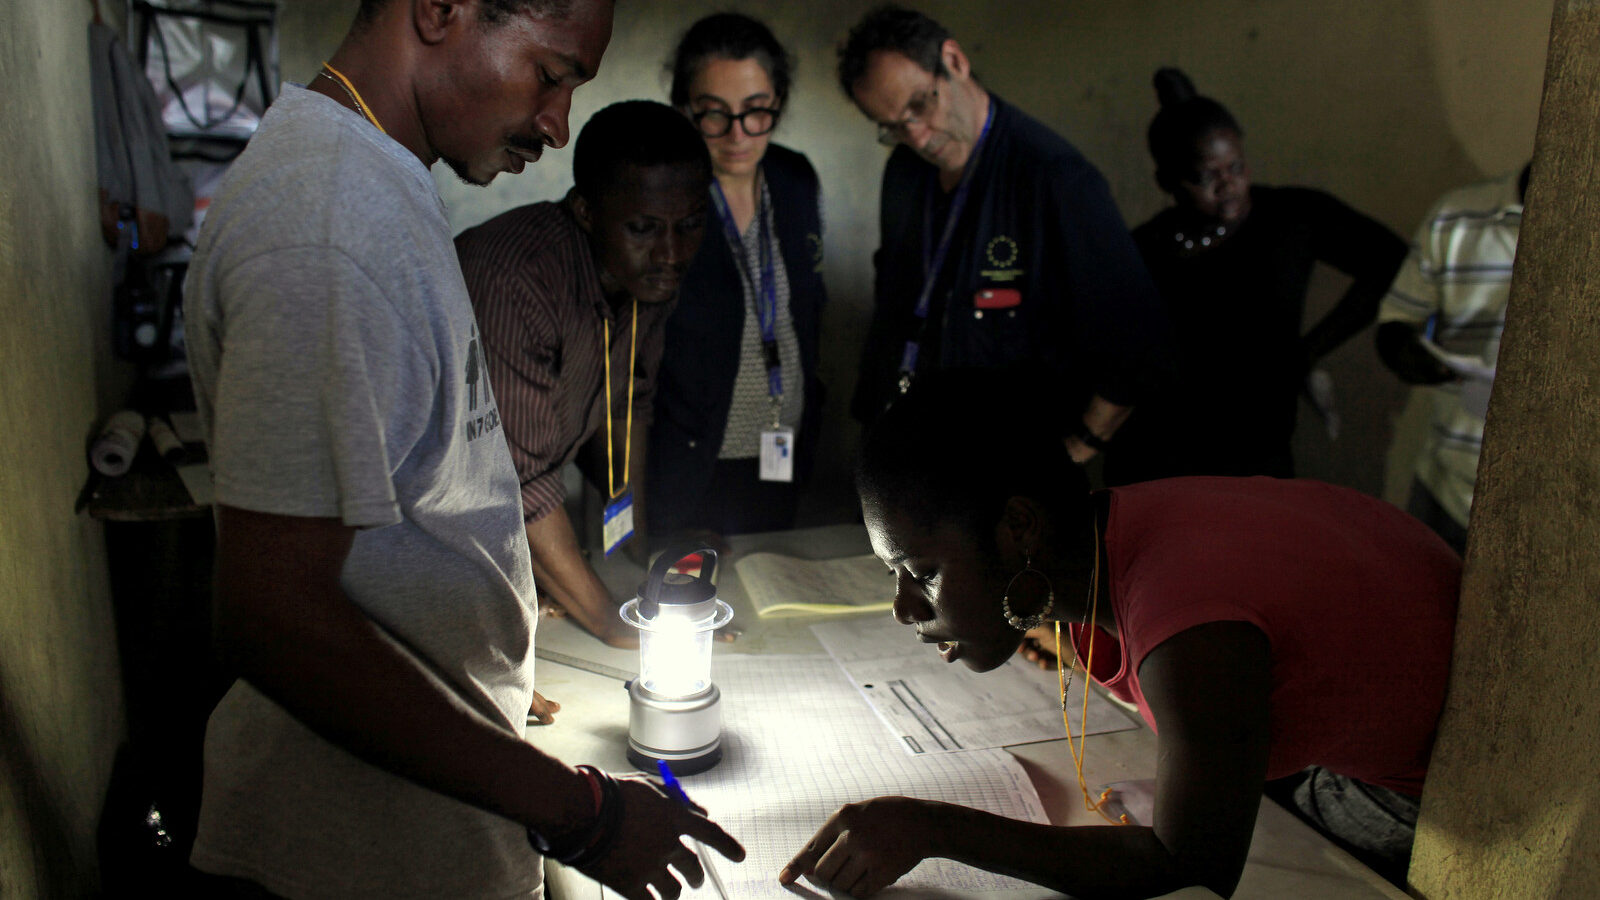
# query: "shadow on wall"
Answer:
x=1577 y=880
x=39 y=815
x=1351 y=102
x=1369 y=401
x=1408 y=156
x=1353 y=105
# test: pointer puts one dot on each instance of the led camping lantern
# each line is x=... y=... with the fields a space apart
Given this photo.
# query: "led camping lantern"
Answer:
x=675 y=711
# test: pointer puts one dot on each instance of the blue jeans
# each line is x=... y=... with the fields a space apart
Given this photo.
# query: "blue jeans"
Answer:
x=1375 y=824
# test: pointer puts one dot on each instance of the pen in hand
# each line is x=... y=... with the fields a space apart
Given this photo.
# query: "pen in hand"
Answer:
x=673 y=786
x=676 y=789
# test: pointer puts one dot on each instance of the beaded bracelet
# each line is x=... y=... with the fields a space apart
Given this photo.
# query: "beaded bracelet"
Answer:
x=608 y=827
x=590 y=843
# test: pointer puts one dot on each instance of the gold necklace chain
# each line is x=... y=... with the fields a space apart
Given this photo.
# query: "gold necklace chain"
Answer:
x=337 y=77
x=1092 y=617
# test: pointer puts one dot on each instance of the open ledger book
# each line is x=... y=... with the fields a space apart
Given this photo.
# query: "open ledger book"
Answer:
x=779 y=585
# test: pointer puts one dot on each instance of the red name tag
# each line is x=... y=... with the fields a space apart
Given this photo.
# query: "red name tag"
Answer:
x=997 y=298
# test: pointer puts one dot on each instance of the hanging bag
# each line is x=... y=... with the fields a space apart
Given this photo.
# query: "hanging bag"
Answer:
x=213 y=63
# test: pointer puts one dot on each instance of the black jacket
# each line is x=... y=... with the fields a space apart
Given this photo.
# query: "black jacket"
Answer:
x=1042 y=246
x=1236 y=312
x=694 y=388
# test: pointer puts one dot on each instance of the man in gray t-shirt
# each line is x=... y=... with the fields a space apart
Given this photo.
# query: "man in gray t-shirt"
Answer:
x=374 y=590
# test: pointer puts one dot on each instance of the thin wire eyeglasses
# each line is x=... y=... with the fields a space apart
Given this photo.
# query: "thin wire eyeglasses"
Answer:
x=917 y=111
x=756 y=121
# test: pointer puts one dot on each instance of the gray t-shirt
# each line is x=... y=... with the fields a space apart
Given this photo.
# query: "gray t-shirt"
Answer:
x=337 y=366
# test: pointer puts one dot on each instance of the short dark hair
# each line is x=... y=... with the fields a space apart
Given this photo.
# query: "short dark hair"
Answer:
x=961 y=443
x=1184 y=118
x=889 y=27
x=638 y=133
x=493 y=11
x=729 y=36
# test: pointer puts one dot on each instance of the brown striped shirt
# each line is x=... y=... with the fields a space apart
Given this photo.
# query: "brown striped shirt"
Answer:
x=536 y=292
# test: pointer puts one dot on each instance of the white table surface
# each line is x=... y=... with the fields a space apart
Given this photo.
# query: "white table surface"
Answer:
x=1287 y=858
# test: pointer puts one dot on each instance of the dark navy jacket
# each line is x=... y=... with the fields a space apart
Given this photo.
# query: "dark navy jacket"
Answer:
x=1041 y=274
x=694 y=388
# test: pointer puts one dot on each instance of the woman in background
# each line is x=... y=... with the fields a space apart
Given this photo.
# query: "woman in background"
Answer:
x=1232 y=261
x=738 y=374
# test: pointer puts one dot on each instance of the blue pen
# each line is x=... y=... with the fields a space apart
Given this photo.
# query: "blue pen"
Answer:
x=672 y=782
x=705 y=858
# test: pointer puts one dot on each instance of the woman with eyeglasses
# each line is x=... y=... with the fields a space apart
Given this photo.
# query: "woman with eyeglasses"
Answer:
x=1232 y=261
x=737 y=398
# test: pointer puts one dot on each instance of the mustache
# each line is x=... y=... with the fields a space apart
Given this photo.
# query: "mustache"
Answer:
x=533 y=146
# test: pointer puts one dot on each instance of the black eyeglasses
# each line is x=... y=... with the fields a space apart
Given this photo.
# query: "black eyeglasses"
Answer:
x=918 y=109
x=756 y=121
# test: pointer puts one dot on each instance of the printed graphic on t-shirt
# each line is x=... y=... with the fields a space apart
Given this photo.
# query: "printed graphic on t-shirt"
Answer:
x=474 y=371
x=479 y=423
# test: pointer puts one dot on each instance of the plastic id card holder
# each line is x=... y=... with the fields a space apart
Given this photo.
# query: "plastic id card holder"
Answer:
x=777 y=454
x=616 y=525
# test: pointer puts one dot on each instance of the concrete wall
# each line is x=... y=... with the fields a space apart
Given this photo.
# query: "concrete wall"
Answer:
x=1513 y=804
x=1385 y=104
x=60 y=703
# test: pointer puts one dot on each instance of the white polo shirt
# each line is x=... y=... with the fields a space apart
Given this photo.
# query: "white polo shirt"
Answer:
x=1454 y=286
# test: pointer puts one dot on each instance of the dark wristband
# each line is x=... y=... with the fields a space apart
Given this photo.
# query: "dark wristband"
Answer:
x=589 y=843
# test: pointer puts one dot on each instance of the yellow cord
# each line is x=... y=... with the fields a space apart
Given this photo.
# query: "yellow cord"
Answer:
x=355 y=95
x=1078 y=754
x=627 y=450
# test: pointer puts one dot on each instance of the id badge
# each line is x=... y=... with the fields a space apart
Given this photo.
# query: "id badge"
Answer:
x=777 y=454
x=616 y=526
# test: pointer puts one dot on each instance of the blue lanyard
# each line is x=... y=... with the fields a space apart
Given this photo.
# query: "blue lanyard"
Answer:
x=766 y=291
x=933 y=258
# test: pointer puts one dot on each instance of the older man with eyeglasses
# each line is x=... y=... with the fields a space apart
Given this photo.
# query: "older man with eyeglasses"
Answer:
x=1000 y=245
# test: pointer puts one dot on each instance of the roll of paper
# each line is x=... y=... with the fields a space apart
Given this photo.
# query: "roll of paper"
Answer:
x=166 y=441
x=113 y=451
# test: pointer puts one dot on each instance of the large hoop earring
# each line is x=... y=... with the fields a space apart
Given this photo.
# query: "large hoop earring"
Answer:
x=1028 y=623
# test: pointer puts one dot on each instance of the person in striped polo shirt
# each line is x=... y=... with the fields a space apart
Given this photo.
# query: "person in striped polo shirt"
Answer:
x=572 y=297
x=1439 y=326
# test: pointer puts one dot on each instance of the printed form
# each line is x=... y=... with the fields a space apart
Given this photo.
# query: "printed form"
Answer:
x=798 y=743
x=932 y=706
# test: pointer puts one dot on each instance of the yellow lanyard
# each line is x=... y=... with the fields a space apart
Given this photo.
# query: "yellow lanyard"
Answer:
x=355 y=96
x=1077 y=750
x=627 y=449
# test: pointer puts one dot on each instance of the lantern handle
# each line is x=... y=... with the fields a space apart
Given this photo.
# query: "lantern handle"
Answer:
x=671 y=556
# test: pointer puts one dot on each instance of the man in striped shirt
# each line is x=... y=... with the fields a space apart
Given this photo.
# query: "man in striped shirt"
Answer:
x=1440 y=325
x=572 y=299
